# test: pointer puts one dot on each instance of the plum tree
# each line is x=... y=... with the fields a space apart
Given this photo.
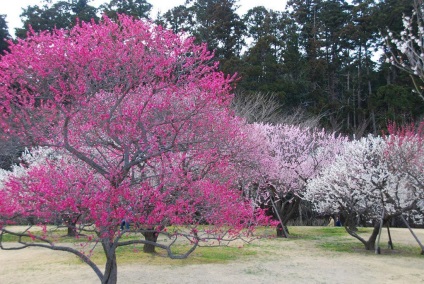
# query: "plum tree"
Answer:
x=292 y=155
x=139 y=124
x=363 y=183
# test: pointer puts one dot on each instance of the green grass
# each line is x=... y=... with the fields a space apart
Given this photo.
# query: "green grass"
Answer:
x=317 y=233
x=336 y=239
x=332 y=239
x=328 y=238
x=202 y=255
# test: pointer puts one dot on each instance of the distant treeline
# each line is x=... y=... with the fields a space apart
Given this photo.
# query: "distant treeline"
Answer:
x=324 y=56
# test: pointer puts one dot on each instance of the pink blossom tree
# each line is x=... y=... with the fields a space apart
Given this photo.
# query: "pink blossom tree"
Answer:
x=138 y=120
x=405 y=149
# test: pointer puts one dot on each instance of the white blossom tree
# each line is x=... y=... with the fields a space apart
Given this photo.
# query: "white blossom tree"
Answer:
x=406 y=155
x=363 y=183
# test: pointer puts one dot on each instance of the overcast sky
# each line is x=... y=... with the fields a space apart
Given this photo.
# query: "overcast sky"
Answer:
x=14 y=8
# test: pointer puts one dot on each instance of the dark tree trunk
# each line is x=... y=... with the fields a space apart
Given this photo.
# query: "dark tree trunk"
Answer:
x=71 y=222
x=290 y=210
x=370 y=244
x=152 y=237
x=280 y=233
x=390 y=243
x=110 y=276
x=111 y=270
x=72 y=232
x=31 y=220
x=285 y=210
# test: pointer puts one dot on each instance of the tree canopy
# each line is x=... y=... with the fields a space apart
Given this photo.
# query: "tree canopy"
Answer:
x=138 y=122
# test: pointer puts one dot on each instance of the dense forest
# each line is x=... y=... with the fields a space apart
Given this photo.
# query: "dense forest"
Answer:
x=325 y=57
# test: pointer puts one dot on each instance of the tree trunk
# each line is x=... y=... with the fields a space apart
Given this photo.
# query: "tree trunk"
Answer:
x=152 y=237
x=370 y=244
x=281 y=232
x=111 y=270
x=378 y=250
x=390 y=243
x=31 y=220
x=289 y=211
x=71 y=221
x=285 y=211
x=300 y=216
x=72 y=232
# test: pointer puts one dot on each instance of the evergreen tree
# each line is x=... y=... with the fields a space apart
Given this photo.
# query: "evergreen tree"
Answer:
x=177 y=19
x=136 y=8
x=324 y=39
x=4 y=34
x=265 y=57
x=394 y=99
x=83 y=11
x=217 y=23
x=60 y=15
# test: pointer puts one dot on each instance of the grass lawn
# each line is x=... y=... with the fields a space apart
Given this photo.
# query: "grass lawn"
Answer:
x=310 y=255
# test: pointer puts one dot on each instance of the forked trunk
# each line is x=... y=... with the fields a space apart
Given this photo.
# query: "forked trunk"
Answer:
x=111 y=270
x=370 y=243
x=285 y=211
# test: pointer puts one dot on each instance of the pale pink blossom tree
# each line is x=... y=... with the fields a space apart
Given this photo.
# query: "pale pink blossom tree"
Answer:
x=139 y=122
x=292 y=155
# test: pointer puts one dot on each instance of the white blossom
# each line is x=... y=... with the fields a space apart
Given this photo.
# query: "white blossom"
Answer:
x=361 y=181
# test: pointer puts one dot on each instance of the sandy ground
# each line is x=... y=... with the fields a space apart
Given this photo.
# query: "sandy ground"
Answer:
x=281 y=261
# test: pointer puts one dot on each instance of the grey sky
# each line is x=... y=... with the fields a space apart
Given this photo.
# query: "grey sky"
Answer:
x=14 y=8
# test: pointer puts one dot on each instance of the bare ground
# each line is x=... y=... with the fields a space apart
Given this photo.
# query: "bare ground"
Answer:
x=277 y=261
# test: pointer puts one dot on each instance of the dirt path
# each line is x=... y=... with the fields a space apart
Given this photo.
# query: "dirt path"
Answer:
x=280 y=261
